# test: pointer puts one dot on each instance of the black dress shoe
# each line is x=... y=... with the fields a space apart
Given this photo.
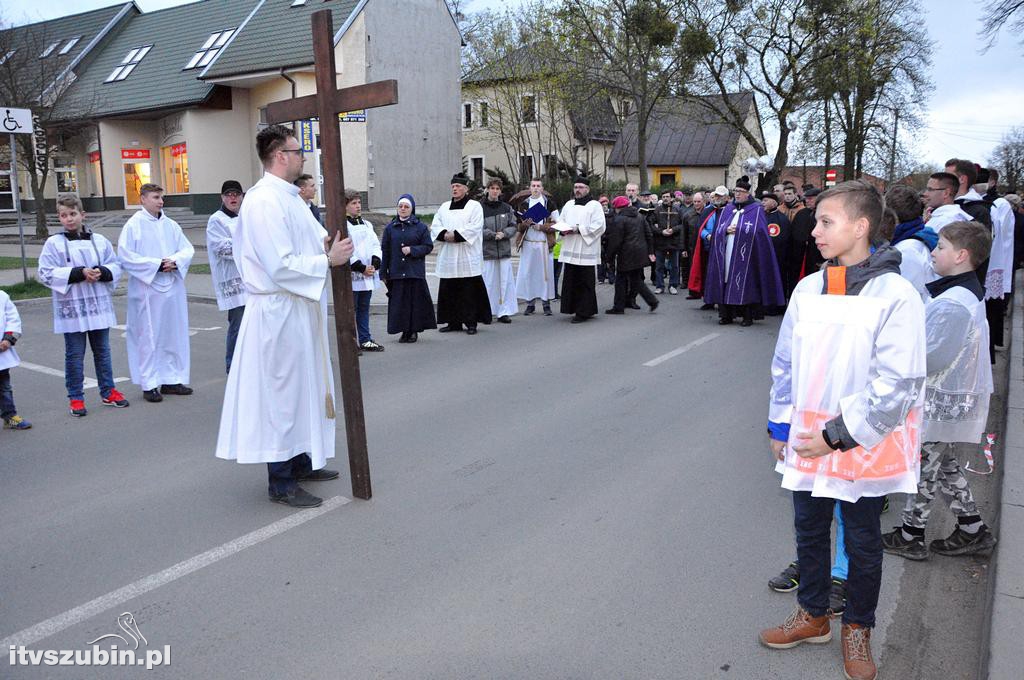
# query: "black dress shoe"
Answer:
x=413 y=337
x=504 y=319
x=176 y=389
x=579 y=319
x=152 y=395
x=547 y=310
x=297 y=498
x=655 y=306
x=724 y=322
x=450 y=328
x=746 y=322
x=707 y=306
x=614 y=311
x=470 y=330
x=404 y=338
x=530 y=309
x=321 y=475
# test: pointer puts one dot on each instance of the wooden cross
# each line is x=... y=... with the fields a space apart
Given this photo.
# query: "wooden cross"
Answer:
x=326 y=104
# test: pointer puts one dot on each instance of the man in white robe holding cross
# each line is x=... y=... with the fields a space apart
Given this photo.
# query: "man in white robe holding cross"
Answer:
x=279 y=400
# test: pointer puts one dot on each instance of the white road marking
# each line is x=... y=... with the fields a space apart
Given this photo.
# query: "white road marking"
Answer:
x=116 y=598
x=87 y=383
x=679 y=350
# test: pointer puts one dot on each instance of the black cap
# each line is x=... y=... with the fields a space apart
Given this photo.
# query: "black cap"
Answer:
x=231 y=185
x=813 y=191
x=459 y=178
x=581 y=179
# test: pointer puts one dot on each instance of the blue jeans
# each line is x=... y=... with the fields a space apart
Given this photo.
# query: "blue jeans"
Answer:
x=7 y=408
x=362 y=304
x=283 y=477
x=234 y=322
x=666 y=260
x=74 y=360
x=862 y=536
x=841 y=563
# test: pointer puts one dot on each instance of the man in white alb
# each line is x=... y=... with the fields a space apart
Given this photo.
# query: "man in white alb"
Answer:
x=279 y=400
x=581 y=251
x=227 y=283
x=536 y=276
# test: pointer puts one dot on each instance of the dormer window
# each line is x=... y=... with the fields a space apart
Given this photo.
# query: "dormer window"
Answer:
x=128 y=64
x=4 y=58
x=49 y=50
x=69 y=44
x=209 y=50
x=298 y=3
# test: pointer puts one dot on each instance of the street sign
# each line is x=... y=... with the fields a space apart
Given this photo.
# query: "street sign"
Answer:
x=830 y=178
x=16 y=121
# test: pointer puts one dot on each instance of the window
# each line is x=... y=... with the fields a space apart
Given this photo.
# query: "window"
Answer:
x=128 y=64
x=49 y=50
x=209 y=49
x=525 y=168
x=467 y=116
x=67 y=176
x=529 y=102
x=174 y=163
x=476 y=170
x=69 y=44
x=298 y=3
x=483 y=114
x=3 y=59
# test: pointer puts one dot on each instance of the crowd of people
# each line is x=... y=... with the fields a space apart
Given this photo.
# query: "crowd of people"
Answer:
x=879 y=369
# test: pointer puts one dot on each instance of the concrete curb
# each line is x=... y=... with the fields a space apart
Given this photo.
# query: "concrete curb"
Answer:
x=1005 y=653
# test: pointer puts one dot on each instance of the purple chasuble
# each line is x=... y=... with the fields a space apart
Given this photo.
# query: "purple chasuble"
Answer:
x=753 y=271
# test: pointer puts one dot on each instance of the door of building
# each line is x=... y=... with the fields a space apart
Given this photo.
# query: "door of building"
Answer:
x=137 y=171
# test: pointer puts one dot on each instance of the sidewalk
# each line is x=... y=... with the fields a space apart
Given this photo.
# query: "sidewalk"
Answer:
x=1006 y=654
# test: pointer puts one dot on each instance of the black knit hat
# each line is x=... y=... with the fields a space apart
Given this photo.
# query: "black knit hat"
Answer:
x=743 y=183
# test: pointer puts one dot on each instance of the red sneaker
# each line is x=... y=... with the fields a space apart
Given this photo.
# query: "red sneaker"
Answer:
x=77 y=408
x=115 y=399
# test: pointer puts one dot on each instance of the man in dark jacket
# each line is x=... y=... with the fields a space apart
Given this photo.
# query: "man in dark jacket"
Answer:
x=631 y=246
x=804 y=257
x=669 y=242
x=781 y=232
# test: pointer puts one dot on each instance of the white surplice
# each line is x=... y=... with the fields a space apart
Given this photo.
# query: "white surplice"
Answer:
x=945 y=214
x=501 y=286
x=462 y=259
x=275 y=399
x=916 y=266
x=10 y=322
x=365 y=247
x=157 y=318
x=536 y=275
x=1000 y=265
x=227 y=282
x=583 y=248
x=81 y=306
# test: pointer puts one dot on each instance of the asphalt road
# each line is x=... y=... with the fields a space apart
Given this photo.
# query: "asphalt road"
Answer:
x=545 y=506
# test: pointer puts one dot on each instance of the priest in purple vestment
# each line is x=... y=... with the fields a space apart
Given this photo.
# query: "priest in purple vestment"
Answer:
x=743 y=275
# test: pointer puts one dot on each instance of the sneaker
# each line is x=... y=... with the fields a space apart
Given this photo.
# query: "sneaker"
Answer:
x=77 y=408
x=800 y=627
x=962 y=543
x=297 y=498
x=177 y=388
x=788 y=580
x=672 y=290
x=547 y=310
x=322 y=475
x=152 y=396
x=857 y=661
x=115 y=399
x=16 y=423
x=371 y=346
x=530 y=309
x=837 y=597
x=913 y=549
x=659 y=291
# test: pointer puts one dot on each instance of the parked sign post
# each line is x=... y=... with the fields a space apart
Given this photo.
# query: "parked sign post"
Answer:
x=17 y=122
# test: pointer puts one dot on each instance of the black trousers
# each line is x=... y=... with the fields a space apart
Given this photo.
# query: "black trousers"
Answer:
x=630 y=284
x=283 y=477
x=729 y=312
x=579 y=290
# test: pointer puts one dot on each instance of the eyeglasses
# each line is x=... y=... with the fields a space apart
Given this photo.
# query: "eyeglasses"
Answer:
x=935 y=188
x=298 y=151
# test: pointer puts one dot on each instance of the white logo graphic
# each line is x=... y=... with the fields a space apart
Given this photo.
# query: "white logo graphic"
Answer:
x=125 y=622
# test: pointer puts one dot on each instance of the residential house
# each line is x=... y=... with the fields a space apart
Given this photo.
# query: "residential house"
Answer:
x=815 y=174
x=178 y=94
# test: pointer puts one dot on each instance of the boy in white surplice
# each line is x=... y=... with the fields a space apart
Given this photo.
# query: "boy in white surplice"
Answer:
x=81 y=269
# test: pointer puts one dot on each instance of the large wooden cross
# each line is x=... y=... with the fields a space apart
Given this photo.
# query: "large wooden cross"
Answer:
x=326 y=104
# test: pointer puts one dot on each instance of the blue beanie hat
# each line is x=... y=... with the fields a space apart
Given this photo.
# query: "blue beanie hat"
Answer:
x=409 y=198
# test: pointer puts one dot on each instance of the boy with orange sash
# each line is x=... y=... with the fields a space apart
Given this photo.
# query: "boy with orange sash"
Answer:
x=845 y=414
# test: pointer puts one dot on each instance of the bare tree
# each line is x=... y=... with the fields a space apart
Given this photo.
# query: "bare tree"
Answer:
x=1008 y=159
x=998 y=13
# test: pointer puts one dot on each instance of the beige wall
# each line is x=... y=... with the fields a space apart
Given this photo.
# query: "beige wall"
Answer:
x=120 y=134
x=709 y=176
x=220 y=145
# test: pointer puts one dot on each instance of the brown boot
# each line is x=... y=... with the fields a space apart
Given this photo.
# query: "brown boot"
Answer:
x=799 y=627
x=857 y=661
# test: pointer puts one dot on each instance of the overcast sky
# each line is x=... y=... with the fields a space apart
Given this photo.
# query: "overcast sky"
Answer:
x=977 y=98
